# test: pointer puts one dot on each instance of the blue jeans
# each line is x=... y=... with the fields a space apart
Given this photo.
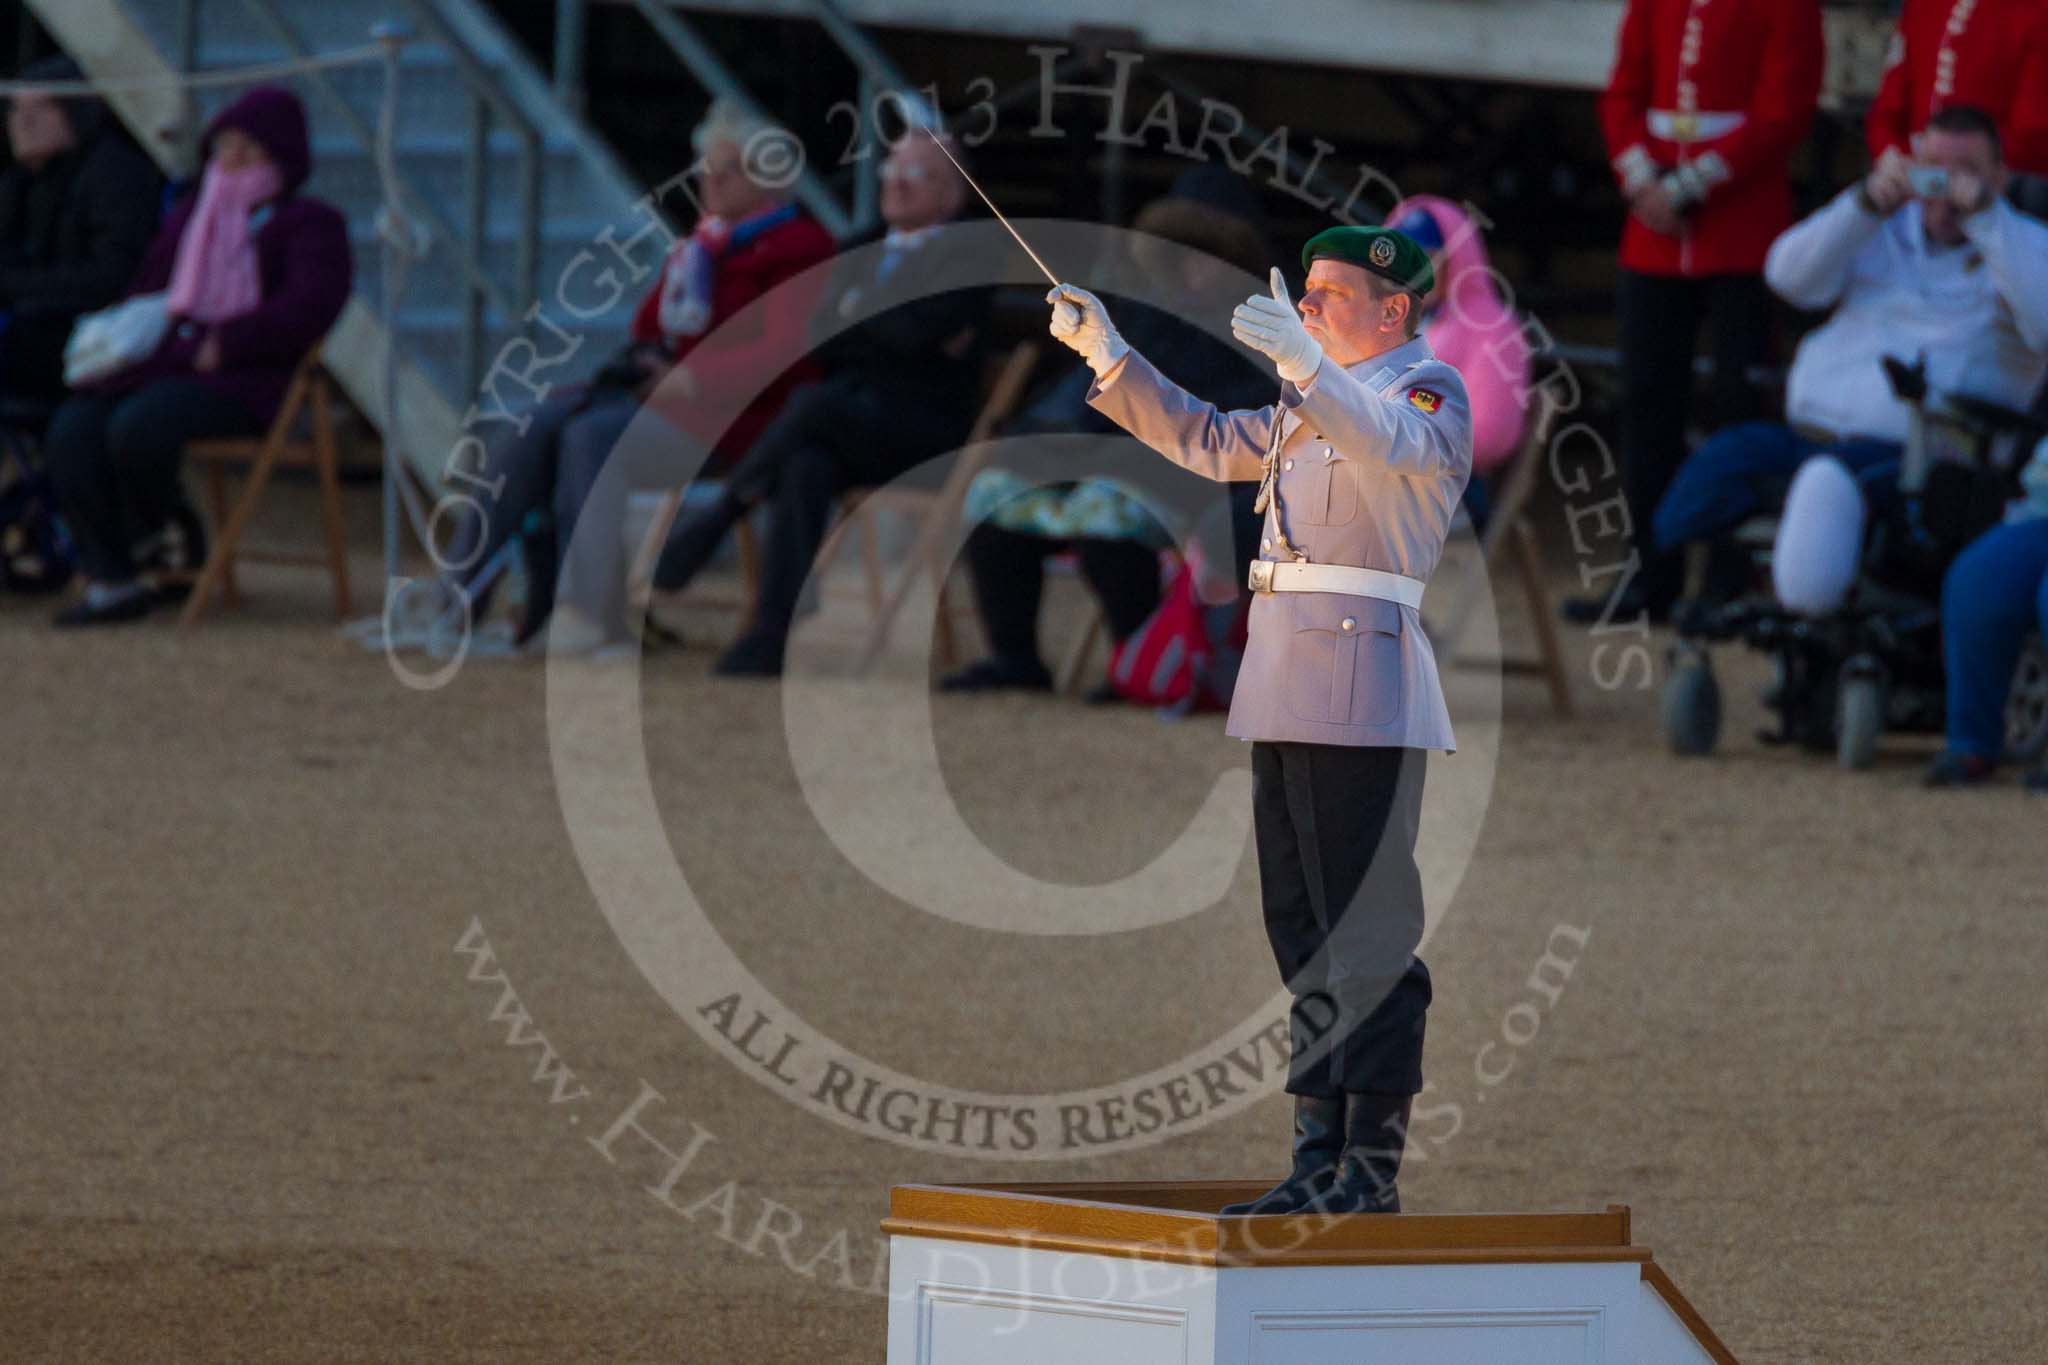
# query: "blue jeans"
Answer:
x=1742 y=470
x=1995 y=591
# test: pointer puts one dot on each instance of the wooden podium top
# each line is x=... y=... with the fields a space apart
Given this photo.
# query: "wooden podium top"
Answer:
x=1177 y=1221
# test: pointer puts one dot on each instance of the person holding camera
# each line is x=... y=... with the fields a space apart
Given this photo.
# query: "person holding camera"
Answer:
x=1705 y=108
x=1924 y=258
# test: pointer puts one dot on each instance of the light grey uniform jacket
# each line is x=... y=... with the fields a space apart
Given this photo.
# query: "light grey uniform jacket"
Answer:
x=1373 y=461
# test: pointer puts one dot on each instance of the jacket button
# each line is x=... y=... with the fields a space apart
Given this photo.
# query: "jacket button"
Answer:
x=1328 y=453
x=1266 y=544
x=1350 y=623
x=1287 y=464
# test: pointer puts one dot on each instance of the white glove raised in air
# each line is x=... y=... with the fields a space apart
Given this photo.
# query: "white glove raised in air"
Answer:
x=1079 y=320
x=1269 y=325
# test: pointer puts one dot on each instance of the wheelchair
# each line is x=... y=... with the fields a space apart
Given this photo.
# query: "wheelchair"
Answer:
x=1874 y=665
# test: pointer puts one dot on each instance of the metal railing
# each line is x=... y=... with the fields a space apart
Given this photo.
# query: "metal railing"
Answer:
x=483 y=292
x=715 y=78
x=486 y=99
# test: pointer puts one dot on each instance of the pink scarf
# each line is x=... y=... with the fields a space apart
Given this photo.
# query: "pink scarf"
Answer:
x=215 y=276
x=1474 y=331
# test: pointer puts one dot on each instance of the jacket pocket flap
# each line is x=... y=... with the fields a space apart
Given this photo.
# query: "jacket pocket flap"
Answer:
x=1342 y=615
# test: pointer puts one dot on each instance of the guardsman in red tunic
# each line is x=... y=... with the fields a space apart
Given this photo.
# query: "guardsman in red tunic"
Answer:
x=1708 y=101
x=1992 y=54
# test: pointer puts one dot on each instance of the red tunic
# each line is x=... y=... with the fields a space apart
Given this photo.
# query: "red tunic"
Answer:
x=744 y=274
x=1989 y=53
x=1728 y=87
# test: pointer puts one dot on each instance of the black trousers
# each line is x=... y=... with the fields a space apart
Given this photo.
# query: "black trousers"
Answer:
x=32 y=355
x=1009 y=583
x=1335 y=828
x=1659 y=321
x=829 y=437
x=115 y=461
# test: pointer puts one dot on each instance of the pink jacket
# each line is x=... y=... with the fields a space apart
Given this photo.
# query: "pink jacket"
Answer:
x=1476 y=333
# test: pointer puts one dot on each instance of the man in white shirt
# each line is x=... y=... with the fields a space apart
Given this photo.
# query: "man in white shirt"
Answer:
x=1924 y=258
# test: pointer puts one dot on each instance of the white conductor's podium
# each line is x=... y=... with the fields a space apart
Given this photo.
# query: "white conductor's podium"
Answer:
x=1148 y=1274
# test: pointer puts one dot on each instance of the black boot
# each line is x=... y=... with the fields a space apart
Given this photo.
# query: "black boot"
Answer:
x=1318 y=1140
x=1375 y=1131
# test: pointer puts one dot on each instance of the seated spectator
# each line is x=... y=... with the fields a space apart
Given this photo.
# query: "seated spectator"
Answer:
x=77 y=210
x=1994 y=593
x=1952 y=275
x=253 y=275
x=1112 y=533
x=900 y=388
x=1471 y=328
x=748 y=240
x=1115 y=540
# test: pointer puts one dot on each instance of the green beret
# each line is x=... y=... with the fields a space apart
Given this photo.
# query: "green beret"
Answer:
x=1392 y=255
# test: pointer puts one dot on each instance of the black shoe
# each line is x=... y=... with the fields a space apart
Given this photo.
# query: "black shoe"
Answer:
x=2036 y=781
x=1318 y=1142
x=1103 y=693
x=1951 y=769
x=130 y=606
x=1632 y=602
x=989 y=675
x=756 y=654
x=1375 y=1132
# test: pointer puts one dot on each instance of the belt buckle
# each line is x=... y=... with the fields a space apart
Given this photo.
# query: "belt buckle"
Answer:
x=1261 y=577
x=1685 y=127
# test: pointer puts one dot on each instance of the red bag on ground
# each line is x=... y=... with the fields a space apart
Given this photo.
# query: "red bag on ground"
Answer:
x=1173 y=660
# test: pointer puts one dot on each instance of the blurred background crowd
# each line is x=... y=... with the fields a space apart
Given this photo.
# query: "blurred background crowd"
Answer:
x=1786 y=260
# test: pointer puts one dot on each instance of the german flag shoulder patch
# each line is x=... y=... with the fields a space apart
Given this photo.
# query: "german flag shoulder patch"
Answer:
x=1426 y=401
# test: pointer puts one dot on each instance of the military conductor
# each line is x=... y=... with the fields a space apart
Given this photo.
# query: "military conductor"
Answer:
x=1360 y=465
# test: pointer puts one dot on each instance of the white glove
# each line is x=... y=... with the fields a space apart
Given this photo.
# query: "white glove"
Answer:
x=1079 y=320
x=1271 y=326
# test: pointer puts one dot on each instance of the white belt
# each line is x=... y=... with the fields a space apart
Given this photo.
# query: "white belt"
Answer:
x=1348 y=580
x=1679 y=125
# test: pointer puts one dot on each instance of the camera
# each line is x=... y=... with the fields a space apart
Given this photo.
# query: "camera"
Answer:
x=1929 y=182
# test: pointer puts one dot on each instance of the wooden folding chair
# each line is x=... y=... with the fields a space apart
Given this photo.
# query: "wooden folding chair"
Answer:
x=1081 y=646
x=1509 y=530
x=310 y=393
x=935 y=512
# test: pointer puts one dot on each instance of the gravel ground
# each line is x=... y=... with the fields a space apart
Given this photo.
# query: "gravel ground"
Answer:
x=257 y=1106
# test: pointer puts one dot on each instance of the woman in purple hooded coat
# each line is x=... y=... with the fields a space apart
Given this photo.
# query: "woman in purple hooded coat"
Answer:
x=254 y=274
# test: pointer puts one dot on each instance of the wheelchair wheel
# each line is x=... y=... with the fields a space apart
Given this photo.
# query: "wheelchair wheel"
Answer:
x=1859 y=720
x=1692 y=704
x=2026 y=706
